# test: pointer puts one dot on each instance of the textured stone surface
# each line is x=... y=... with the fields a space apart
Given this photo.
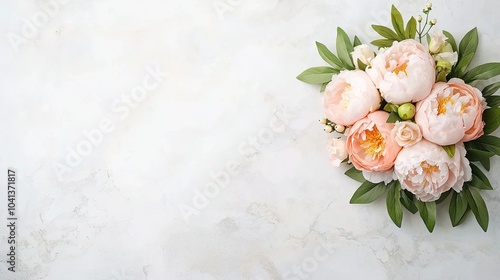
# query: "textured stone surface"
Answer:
x=226 y=109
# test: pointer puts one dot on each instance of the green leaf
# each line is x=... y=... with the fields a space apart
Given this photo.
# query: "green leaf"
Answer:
x=323 y=87
x=451 y=40
x=385 y=32
x=329 y=57
x=382 y=43
x=491 y=89
x=389 y=107
x=393 y=203
x=491 y=117
x=368 y=192
x=344 y=48
x=478 y=155
x=464 y=218
x=397 y=22
x=450 y=150
x=493 y=101
x=490 y=142
x=468 y=44
x=481 y=176
x=355 y=174
x=485 y=163
x=462 y=65
x=356 y=41
x=458 y=208
x=393 y=117
x=478 y=183
x=478 y=206
x=482 y=72
x=361 y=65
x=407 y=201
x=317 y=75
x=427 y=213
x=411 y=28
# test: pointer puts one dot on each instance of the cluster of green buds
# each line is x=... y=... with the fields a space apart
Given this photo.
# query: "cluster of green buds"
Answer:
x=428 y=24
x=331 y=127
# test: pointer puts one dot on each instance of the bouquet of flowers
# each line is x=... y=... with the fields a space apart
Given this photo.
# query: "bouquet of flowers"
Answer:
x=410 y=119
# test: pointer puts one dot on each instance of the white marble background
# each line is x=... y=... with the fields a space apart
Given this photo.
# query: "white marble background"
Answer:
x=222 y=105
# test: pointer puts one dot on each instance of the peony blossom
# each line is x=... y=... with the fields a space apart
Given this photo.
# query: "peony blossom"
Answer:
x=406 y=133
x=405 y=72
x=370 y=145
x=349 y=97
x=337 y=151
x=451 y=113
x=427 y=171
x=364 y=54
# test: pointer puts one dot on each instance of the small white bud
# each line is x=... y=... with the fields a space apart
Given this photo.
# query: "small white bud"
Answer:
x=339 y=128
x=322 y=121
x=433 y=21
x=419 y=18
x=328 y=128
x=428 y=5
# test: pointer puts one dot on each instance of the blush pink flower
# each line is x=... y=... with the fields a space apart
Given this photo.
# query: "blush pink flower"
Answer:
x=427 y=171
x=451 y=113
x=405 y=72
x=336 y=150
x=349 y=97
x=406 y=133
x=370 y=145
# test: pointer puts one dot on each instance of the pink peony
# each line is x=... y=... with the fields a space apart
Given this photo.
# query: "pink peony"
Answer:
x=349 y=97
x=404 y=72
x=427 y=171
x=369 y=143
x=451 y=113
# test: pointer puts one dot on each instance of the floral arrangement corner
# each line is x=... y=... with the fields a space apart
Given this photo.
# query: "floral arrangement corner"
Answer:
x=410 y=118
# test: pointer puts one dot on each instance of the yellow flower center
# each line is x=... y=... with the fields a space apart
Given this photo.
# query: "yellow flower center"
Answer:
x=374 y=143
x=442 y=104
x=428 y=168
x=401 y=68
x=346 y=96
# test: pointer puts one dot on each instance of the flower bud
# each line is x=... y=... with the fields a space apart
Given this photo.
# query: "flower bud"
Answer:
x=433 y=22
x=419 y=18
x=428 y=5
x=339 y=128
x=362 y=53
x=447 y=48
x=328 y=128
x=406 y=111
x=445 y=65
x=323 y=121
x=437 y=42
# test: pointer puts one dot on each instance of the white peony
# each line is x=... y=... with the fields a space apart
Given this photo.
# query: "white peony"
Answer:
x=427 y=171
